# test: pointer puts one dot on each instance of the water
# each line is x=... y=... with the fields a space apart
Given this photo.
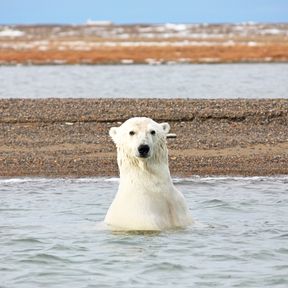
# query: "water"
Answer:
x=146 y=81
x=50 y=236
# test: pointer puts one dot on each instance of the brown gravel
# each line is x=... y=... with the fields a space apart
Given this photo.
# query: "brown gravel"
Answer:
x=69 y=137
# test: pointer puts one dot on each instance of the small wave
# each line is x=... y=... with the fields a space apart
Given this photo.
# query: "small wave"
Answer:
x=282 y=251
x=89 y=179
x=28 y=241
x=13 y=209
x=43 y=180
x=164 y=266
x=284 y=235
x=45 y=258
x=215 y=203
x=21 y=180
x=113 y=179
x=176 y=180
x=211 y=180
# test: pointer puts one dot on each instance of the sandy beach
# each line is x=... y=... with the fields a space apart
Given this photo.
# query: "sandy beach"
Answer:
x=69 y=137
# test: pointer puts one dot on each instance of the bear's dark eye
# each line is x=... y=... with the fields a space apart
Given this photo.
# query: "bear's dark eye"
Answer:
x=153 y=132
x=131 y=133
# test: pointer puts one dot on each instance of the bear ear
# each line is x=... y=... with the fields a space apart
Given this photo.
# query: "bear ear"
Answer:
x=113 y=133
x=165 y=127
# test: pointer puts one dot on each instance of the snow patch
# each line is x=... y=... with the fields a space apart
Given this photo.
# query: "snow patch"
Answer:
x=127 y=61
x=176 y=27
x=8 y=32
x=98 y=22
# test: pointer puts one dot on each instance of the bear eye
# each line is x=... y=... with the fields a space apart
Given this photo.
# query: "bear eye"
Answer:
x=131 y=133
x=153 y=132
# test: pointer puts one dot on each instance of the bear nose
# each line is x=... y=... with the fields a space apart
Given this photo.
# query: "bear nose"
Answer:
x=143 y=150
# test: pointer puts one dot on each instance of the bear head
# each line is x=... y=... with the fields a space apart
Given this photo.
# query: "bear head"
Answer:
x=140 y=137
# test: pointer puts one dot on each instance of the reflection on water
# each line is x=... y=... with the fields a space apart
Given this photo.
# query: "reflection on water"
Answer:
x=146 y=81
x=49 y=236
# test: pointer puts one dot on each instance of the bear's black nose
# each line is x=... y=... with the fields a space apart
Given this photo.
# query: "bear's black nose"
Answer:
x=143 y=150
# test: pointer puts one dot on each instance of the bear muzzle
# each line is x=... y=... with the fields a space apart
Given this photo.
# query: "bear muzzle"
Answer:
x=144 y=151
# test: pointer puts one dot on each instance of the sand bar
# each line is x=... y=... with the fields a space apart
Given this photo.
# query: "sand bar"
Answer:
x=69 y=137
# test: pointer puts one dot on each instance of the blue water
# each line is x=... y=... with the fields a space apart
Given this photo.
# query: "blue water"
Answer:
x=51 y=236
x=145 y=81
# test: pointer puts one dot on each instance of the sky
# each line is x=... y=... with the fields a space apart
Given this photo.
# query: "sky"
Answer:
x=142 y=11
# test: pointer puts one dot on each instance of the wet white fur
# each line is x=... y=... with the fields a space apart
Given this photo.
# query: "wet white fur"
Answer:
x=146 y=198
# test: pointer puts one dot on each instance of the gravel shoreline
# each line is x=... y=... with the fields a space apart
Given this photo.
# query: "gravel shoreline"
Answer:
x=69 y=137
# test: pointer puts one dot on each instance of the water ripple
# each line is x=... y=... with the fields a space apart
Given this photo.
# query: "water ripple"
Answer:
x=49 y=236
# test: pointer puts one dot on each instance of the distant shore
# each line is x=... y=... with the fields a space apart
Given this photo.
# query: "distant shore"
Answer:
x=143 y=44
x=270 y=53
x=69 y=137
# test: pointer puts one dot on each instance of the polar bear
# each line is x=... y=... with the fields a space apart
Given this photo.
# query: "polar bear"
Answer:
x=146 y=197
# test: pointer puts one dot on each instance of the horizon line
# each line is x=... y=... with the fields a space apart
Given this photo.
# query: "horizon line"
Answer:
x=101 y=23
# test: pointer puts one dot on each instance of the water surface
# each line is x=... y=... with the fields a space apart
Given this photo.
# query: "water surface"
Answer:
x=50 y=236
x=145 y=81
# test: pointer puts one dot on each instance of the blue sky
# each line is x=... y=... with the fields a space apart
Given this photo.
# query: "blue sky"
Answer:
x=142 y=11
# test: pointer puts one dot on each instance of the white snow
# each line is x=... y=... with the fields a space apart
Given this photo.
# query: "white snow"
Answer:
x=8 y=32
x=127 y=61
x=99 y=22
x=209 y=60
x=271 y=32
x=252 y=44
x=152 y=61
x=176 y=27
